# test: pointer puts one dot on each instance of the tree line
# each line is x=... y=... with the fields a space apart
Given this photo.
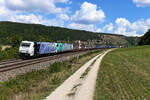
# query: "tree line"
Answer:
x=145 y=39
x=12 y=33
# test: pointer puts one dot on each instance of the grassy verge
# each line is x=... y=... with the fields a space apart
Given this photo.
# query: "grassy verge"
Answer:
x=124 y=74
x=38 y=84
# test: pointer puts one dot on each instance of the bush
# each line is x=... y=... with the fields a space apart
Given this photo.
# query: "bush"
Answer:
x=9 y=53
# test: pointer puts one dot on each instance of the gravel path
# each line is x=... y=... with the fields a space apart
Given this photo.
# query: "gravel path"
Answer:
x=79 y=86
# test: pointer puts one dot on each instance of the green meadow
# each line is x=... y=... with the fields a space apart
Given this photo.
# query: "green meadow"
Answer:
x=124 y=74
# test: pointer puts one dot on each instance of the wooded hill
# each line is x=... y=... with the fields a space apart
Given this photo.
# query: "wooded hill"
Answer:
x=12 y=31
x=145 y=39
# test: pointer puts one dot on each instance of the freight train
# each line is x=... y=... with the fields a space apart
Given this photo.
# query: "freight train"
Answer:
x=29 y=49
x=35 y=49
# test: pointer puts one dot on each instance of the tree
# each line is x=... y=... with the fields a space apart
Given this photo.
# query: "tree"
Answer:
x=15 y=40
x=145 y=40
x=43 y=38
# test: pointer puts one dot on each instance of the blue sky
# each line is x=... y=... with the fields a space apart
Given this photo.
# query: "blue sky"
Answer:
x=126 y=17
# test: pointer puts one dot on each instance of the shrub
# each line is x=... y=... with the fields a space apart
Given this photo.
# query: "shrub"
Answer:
x=9 y=53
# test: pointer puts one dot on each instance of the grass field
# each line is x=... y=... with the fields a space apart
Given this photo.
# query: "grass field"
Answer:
x=38 y=84
x=124 y=75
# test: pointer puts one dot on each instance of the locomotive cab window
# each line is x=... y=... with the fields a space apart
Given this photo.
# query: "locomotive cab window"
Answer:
x=25 y=44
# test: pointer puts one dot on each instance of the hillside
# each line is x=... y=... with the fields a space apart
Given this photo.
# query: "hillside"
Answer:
x=37 y=32
x=145 y=40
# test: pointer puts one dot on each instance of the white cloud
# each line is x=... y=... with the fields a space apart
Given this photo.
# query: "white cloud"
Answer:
x=142 y=3
x=108 y=28
x=148 y=22
x=36 y=19
x=88 y=14
x=63 y=16
x=35 y=5
x=87 y=18
x=125 y=27
x=121 y=26
x=99 y=30
x=5 y=13
x=122 y=22
x=2 y=3
x=89 y=27
x=141 y=26
x=14 y=11
x=31 y=18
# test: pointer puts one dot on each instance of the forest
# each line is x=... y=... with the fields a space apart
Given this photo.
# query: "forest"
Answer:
x=11 y=33
x=145 y=39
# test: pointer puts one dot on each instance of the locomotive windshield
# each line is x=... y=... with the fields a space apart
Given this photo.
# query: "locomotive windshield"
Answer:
x=25 y=44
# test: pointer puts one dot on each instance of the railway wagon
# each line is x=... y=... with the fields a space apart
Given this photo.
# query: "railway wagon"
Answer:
x=66 y=47
x=45 y=48
x=62 y=47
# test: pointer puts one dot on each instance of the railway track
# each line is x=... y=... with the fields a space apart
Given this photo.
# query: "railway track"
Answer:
x=9 y=61
x=18 y=63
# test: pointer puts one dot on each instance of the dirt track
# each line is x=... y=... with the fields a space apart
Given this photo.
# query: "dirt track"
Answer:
x=81 y=85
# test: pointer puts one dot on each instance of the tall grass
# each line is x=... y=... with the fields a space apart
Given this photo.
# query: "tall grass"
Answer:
x=124 y=75
x=38 y=84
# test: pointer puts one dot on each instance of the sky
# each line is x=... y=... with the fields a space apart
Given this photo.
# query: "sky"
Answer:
x=125 y=17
